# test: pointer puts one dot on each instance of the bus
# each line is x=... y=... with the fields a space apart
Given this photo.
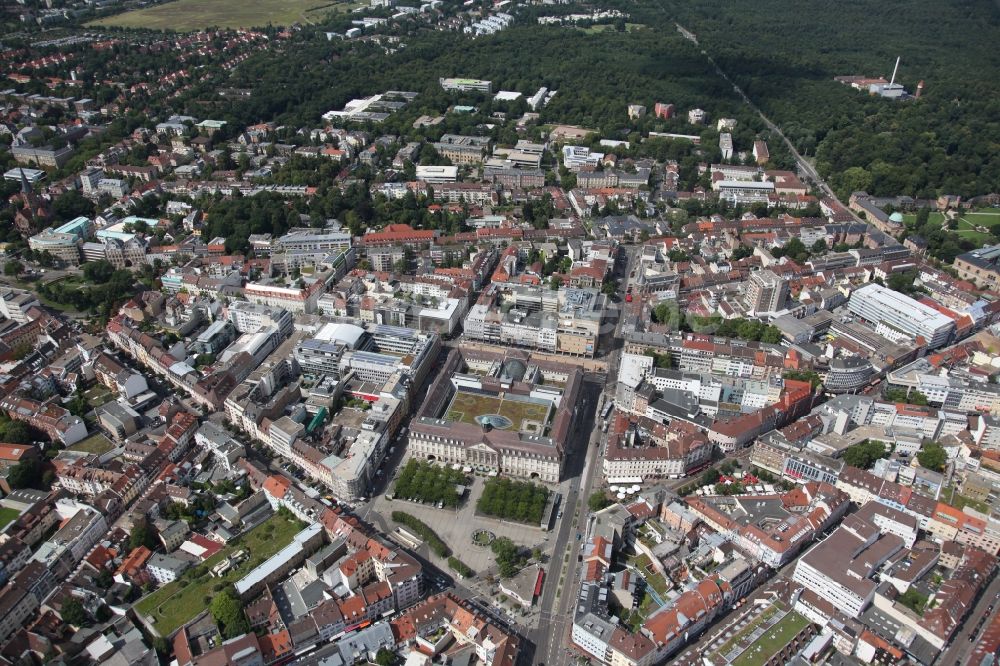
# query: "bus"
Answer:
x=607 y=409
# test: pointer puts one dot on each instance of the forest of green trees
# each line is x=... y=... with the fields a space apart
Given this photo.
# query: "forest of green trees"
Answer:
x=513 y=500
x=785 y=60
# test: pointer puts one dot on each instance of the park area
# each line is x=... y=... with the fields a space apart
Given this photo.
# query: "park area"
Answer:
x=517 y=413
x=188 y=15
x=974 y=225
x=426 y=482
x=513 y=500
x=977 y=225
x=178 y=602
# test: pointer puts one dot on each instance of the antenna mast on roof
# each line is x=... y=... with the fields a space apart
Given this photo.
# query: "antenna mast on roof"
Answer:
x=894 y=70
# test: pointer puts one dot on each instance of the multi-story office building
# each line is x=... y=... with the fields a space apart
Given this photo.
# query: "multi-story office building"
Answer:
x=251 y=317
x=90 y=180
x=42 y=156
x=313 y=239
x=726 y=145
x=436 y=174
x=508 y=176
x=766 y=292
x=840 y=569
x=65 y=247
x=899 y=317
x=15 y=303
x=743 y=191
x=462 y=149
x=293 y=299
x=848 y=374
x=578 y=157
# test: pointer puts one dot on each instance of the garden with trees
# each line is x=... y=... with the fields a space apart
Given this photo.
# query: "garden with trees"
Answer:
x=932 y=456
x=519 y=501
x=426 y=482
x=864 y=454
x=509 y=556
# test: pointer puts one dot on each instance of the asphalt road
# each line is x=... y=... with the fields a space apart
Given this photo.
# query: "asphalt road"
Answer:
x=583 y=467
x=552 y=637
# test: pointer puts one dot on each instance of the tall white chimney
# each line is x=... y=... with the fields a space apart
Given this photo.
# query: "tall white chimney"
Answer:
x=894 y=70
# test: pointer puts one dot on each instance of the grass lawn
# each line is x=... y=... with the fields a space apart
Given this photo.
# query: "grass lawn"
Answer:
x=653 y=578
x=98 y=395
x=186 y=15
x=909 y=219
x=772 y=641
x=606 y=27
x=959 y=501
x=977 y=237
x=94 y=444
x=767 y=613
x=7 y=515
x=984 y=218
x=178 y=602
x=967 y=223
x=465 y=407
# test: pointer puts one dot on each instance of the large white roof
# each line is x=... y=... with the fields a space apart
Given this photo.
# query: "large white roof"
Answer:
x=348 y=334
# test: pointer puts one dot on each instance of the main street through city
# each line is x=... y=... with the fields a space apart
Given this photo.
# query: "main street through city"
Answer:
x=552 y=637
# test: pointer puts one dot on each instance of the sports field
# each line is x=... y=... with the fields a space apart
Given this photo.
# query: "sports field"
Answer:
x=466 y=406
x=187 y=15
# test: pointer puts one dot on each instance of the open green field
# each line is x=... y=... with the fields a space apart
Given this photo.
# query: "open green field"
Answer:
x=968 y=223
x=772 y=641
x=98 y=395
x=94 y=444
x=178 y=602
x=465 y=407
x=187 y=15
x=7 y=515
x=909 y=219
x=605 y=27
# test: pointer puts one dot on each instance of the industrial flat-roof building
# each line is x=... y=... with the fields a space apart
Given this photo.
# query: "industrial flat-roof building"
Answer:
x=464 y=85
x=899 y=317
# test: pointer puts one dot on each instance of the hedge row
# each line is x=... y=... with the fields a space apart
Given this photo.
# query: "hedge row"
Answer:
x=421 y=529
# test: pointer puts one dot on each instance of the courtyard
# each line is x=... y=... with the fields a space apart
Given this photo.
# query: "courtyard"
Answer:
x=515 y=412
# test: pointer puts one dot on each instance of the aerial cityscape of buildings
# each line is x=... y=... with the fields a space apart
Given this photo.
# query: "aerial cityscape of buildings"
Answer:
x=435 y=375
